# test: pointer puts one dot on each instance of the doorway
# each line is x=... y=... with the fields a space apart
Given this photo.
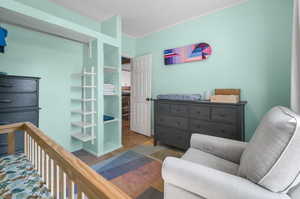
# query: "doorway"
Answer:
x=136 y=89
x=126 y=91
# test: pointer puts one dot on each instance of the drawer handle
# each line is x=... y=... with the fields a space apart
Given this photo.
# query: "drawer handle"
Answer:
x=178 y=123
x=6 y=85
x=222 y=131
x=4 y=123
x=199 y=112
x=5 y=101
x=222 y=115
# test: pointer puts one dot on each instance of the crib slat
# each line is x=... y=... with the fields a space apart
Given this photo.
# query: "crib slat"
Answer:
x=45 y=167
x=61 y=181
x=11 y=143
x=27 y=145
x=79 y=194
x=55 y=179
x=41 y=162
x=50 y=174
x=70 y=189
x=30 y=150
x=35 y=155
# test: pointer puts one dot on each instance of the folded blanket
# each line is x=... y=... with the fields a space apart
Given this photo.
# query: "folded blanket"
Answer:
x=186 y=97
x=107 y=118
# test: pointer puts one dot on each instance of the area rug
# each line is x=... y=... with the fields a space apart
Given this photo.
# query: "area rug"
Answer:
x=137 y=171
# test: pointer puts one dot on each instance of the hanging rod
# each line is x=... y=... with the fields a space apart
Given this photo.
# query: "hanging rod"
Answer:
x=44 y=32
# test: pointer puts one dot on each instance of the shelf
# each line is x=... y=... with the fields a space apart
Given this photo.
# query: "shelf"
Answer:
x=83 y=125
x=83 y=74
x=110 y=69
x=111 y=94
x=82 y=137
x=84 y=100
x=111 y=121
x=83 y=113
x=83 y=86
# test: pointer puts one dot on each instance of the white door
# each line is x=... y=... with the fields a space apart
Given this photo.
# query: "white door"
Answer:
x=140 y=113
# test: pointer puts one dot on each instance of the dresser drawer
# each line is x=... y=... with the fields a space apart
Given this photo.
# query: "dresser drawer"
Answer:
x=177 y=122
x=173 y=137
x=163 y=108
x=14 y=117
x=201 y=126
x=19 y=116
x=199 y=112
x=214 y=129
x=14 y=100
x=9 y=85
x=179 y=110
x=224 y=115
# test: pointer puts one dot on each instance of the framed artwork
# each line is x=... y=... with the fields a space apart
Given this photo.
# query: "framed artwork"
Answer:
x=186 y=54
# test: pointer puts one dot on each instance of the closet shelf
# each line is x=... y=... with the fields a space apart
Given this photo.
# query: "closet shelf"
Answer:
x=83 y=113
x=110 y=94
x=83 y=125
x=84 y=100
x=83 y=86
x=111 y=121
x=83 y=137
x=110 y=69
x=84 y=74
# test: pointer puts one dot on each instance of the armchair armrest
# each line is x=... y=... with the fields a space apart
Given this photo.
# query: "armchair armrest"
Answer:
x=227 y=149
x=210 y=183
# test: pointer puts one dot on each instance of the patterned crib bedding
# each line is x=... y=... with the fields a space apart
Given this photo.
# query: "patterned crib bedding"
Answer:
x=19 y=180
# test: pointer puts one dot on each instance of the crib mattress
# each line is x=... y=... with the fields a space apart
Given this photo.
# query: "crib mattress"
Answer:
x=19 y=179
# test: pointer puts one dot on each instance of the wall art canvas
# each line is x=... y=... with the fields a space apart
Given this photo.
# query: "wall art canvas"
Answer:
x=190 y=53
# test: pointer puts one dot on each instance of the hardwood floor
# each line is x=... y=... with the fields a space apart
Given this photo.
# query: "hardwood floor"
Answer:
x=130 y=139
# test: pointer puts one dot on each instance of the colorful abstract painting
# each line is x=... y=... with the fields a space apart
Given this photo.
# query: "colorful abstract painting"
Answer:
x=191 y=53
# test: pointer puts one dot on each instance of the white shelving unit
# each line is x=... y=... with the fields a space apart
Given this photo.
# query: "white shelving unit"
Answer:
x=87 y=111
x=84 y=86
x=79 y=111
x=111 y=121
x=110 y=94
x=110 y=69
x=84 y=100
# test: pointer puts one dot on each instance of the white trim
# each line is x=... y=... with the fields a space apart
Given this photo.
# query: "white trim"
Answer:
x=188 y=19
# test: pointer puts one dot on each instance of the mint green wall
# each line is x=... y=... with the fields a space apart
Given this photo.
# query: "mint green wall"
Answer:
x=251 y=50
x=128 y=45
x=54 y=60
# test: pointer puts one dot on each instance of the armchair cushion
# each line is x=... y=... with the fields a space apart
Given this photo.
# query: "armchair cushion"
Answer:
x=272 y=158
x=210 y=183
x=206 y=159
x=227 y=149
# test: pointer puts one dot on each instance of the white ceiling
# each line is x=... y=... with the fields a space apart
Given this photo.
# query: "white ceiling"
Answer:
x=142 y=17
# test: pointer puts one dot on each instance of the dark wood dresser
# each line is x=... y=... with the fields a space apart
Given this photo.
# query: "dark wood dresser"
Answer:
x=19 y=102
x=176 y=121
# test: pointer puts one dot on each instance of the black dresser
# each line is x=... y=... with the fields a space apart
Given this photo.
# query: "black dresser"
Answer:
x=19 y=102
x=176 y=121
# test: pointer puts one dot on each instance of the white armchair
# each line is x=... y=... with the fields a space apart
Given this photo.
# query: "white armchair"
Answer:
x=217 y=168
